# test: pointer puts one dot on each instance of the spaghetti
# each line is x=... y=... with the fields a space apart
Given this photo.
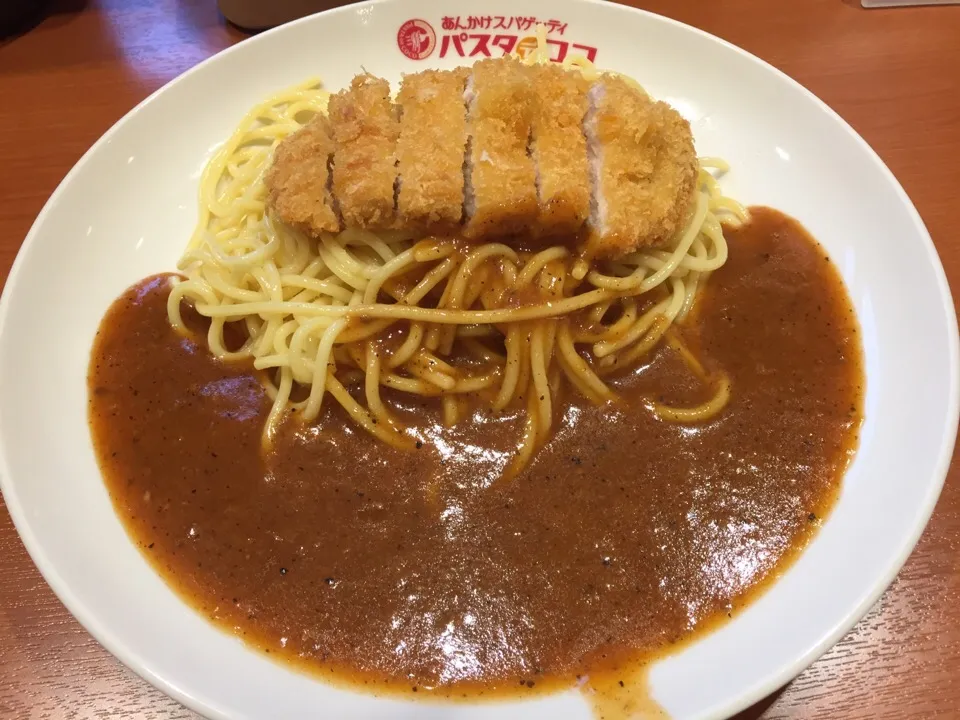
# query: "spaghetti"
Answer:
x=352 y=313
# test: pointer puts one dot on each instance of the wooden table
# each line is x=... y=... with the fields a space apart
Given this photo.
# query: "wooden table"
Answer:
x=893 y=74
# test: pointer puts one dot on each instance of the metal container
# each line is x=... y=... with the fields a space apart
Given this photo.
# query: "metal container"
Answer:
x=262 y=14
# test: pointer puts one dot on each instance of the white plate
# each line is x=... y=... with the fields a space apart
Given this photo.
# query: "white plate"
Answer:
x=127 y=208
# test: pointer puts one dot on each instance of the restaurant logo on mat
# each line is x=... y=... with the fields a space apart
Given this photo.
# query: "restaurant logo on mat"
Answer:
x=480 y=36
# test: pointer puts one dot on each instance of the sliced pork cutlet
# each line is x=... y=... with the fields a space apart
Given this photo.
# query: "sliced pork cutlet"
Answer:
x=365 y=130
x=559 y=150
x=298 y=179
x=643 y=169
x=430 y=151
x=500 y=179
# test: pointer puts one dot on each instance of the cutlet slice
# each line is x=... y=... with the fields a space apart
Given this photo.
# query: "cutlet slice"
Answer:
x=500 y=180
x=365 y=131
x=430 y=151
x=298 y=180
x=559 y=150
x=643 y=169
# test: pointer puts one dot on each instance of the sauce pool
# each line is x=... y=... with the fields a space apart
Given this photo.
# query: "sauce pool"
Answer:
x=421 y=572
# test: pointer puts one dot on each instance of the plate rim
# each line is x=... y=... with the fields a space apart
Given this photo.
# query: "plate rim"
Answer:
x=766 y=684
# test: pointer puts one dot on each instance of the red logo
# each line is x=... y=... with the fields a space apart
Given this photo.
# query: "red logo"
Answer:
x=416 y=39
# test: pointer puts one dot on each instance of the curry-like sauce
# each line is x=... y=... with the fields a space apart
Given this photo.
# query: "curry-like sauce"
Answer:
x=423 y=572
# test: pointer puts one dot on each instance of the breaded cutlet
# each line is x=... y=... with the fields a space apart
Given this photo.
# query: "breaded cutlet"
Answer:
x=430 y=151
x=523 y=151
x=297 y=181
x=559 y=149
x=644 y=168
x=501 y=192
x=365 y=130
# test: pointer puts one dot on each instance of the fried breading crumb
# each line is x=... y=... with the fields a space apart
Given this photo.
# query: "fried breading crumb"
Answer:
x=365 y=130
x=559 y=150
x=502 y=174
x=297 y=181
x=430 y=152
x=646 y=169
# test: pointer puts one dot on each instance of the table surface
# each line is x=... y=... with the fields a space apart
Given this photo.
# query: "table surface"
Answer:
x=893 y=74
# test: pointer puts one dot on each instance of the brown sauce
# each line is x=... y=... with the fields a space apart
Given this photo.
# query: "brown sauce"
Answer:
x=420 y=572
